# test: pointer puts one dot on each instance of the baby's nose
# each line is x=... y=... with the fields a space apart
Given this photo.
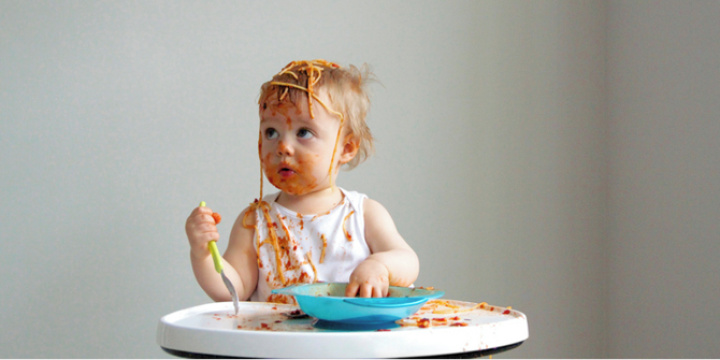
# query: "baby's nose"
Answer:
x=284 y=149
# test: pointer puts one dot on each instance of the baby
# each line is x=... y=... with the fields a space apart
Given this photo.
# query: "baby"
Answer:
x=312 y=122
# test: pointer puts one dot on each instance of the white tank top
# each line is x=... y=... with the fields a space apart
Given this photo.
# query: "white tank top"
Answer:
x=311 y=248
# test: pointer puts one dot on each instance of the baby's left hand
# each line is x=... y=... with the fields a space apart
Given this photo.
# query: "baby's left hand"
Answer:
x=370 y=279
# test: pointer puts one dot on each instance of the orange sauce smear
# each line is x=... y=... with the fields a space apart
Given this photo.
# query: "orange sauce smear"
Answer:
x=347 y=235
x=309 y=258
x=324 y=247
x=302 y=222
x=320 y=215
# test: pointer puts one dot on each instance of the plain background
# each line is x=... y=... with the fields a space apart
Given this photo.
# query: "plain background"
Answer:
x=561 y=157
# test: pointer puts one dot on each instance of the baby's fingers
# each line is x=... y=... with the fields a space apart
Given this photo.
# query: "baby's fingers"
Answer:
x=373 y=290
x=351 y=289
x=200 y=226
x=204 y=214
x=204 y=210
x=366 y=290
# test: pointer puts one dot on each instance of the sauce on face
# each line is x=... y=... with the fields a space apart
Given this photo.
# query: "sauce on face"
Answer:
x=296 y=181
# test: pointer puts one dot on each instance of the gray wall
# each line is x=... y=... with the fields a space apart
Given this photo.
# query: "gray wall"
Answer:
x=664 y=199
x=556 y=156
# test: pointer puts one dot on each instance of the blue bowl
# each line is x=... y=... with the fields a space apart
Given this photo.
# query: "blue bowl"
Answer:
x=327 y=302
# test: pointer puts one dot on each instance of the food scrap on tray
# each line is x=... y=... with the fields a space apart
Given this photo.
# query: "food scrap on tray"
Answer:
x=427 y=316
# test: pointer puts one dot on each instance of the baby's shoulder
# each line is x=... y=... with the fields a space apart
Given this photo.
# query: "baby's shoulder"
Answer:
x=354 y=198
x=247 y=216
x=373 y=210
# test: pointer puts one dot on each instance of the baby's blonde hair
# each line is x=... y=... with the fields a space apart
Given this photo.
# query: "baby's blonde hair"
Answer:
x=346 y=88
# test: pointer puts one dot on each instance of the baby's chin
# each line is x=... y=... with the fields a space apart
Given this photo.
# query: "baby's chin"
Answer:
x=293 y=187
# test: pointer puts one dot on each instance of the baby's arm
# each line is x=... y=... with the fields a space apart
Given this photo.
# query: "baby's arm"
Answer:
x=239 y=260
x=393 y=261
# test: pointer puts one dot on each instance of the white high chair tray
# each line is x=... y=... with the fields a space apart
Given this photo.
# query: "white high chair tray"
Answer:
x=442 y=327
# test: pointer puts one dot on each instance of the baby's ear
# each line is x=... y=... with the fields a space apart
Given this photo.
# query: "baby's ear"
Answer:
x=349 y=149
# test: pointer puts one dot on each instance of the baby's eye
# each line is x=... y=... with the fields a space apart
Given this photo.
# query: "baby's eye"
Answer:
x=304 y=133
x=271 y=134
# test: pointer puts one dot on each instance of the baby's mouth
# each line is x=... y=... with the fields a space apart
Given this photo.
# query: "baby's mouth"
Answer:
x=286 y=172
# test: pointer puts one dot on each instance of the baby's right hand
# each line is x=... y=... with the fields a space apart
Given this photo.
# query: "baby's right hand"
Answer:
x=201 y=228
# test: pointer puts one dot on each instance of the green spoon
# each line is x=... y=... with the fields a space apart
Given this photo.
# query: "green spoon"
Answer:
x=219 y=268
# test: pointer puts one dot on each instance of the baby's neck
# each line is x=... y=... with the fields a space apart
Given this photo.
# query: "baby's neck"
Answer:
x=313 y=203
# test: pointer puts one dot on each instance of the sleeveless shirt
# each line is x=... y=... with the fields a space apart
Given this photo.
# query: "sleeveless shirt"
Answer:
x=310 y=248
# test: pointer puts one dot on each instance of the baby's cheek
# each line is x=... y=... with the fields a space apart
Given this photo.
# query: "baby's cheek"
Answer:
x=308 y=162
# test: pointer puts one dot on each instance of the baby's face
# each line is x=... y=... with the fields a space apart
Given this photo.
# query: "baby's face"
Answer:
x=296 y=150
